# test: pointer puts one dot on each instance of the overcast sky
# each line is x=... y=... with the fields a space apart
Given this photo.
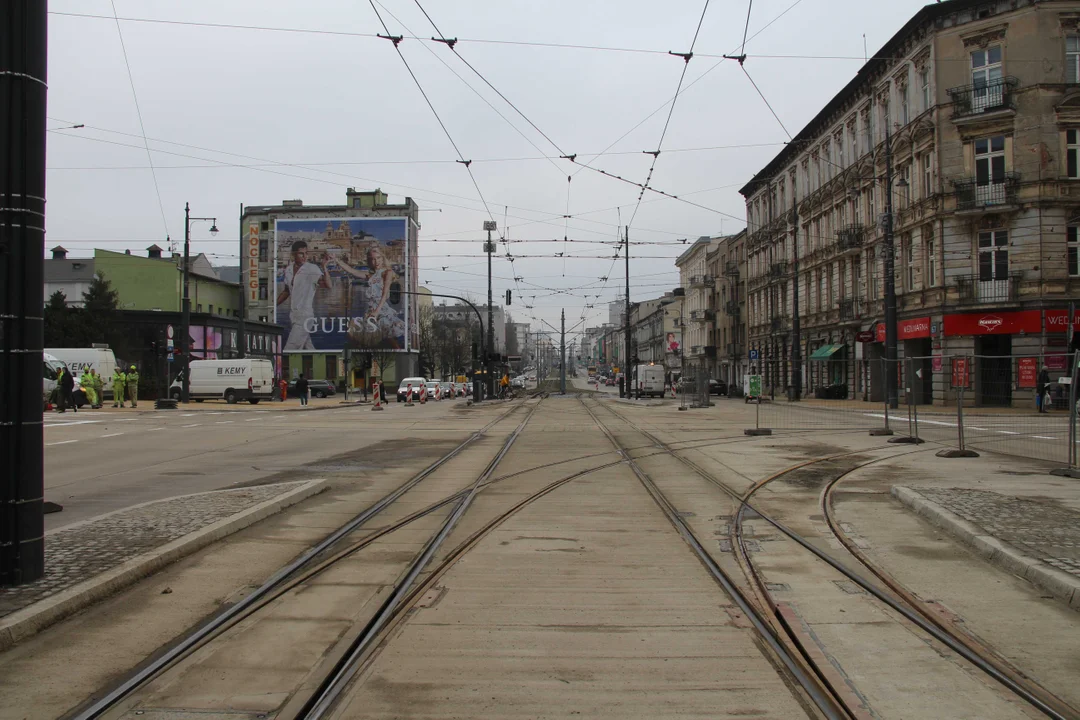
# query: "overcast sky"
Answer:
x=257 y=116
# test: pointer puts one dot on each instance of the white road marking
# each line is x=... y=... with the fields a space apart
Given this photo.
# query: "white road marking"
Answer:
x=62 y=442
x=71 y=422
x=252 y=419
x=224 y=422
x=153 y=429
x=188 y=415
x=191 y=425
x=1043 y=437
x=1008 y=432
x=112 y=435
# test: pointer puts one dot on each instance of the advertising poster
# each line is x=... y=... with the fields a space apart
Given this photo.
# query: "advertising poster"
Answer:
x=1028 y=370
x=336 y=280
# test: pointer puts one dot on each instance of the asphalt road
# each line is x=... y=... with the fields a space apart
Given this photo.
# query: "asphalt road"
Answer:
x=105 y=460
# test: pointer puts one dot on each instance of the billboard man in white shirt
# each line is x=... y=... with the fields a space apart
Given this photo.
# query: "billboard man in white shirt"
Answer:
x=301 y=280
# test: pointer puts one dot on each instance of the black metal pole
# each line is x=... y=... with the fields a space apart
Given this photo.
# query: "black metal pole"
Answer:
x=23 y=64
x=489 y=247
x=562 y=355
x=245 y=259
x=185 y=309
x=796 y=325
x=890 y=279
x=626 y=360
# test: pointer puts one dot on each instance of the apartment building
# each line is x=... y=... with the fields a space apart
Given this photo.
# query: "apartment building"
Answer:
x=970 y=113
x=725 y=263
x=697 y=316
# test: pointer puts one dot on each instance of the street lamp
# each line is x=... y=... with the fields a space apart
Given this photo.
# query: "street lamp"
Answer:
x=489 y=248
x=185 y=320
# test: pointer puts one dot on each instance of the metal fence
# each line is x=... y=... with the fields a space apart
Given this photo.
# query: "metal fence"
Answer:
x=1017 y=405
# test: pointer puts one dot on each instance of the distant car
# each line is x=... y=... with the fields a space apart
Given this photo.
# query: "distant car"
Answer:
x=431 y=385
x=416 y=382
x=316 y=388
x=447 y=389
x=609 y=382
x=718 y=387
x=518 y=382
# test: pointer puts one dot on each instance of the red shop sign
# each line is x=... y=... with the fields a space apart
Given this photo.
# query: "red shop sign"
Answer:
x=994 y=323
x=906 y=329
x=1028 y=371
x=1055 y=362
x=961 y=375
x=1057 y=321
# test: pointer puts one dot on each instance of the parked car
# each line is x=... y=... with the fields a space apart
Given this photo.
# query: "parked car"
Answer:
x=718 y=387
x=317 y=388
x=416 y=382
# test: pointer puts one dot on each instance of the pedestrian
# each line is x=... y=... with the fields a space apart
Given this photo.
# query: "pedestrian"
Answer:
x=284 y=389
x=133 y=386
x=382 y=391
x=119 y=387
x=99 y=387
x=302 y=389
x=66 y=383
x=86 y=381
x=1041 y=388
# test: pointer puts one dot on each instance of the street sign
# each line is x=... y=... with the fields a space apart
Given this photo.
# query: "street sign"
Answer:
x=753 y=354
x=169 y=331
x=755 y=386
x=864 y=336
x=170 y=358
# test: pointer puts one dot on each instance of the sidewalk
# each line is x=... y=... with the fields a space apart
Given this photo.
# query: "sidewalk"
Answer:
x=1033 y=538
x=88 y=561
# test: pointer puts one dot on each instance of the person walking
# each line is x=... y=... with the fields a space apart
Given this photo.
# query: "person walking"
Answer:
x=1041 y=387
x=66 y=383
x=86 y=381
x=99 y=388
x=302 y=389
x=133 y=386
x=119 y=387
x=284 y=390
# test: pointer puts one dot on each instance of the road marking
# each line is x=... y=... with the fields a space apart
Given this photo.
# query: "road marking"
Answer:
x=224 y=422
x=1008 y=432
x=1043 y=437
x=71 y=422
x=216 y=412
x=191 y=425
x=188 y=415
x=252 y=419
x=62 y=442
x=112 y=435
x=153 y=429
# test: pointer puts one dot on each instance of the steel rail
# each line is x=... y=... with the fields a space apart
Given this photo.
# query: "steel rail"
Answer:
x=901 y=607
x=100 y=706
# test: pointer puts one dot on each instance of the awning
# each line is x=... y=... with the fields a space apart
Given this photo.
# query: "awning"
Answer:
x=825 y=352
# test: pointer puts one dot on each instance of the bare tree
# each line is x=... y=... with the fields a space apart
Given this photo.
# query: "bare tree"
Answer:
x=379 y=345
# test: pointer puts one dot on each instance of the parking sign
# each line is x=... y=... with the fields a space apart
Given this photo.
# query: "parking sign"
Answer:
x=753 y=354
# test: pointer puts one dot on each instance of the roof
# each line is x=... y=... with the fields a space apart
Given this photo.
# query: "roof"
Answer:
x=866 y=74
x=69 y=270
x=702 y=241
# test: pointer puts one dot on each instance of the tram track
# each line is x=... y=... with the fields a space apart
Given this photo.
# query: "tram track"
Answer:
x=891 y=593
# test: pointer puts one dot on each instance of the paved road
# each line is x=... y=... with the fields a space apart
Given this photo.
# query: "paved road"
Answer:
x=105 y=460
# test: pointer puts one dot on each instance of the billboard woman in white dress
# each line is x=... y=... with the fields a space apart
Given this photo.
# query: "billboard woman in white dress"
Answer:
x=380 y=317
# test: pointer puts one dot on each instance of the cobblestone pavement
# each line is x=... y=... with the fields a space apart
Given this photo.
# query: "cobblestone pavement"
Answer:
x=1044 y=530
x=77 y=554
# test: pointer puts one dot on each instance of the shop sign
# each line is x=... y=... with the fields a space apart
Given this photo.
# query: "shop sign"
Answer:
x=961 y=372
x=864 y=336
x=1028 y=370
x=994 y=323
x=1055 y=362
x=935 y=364
x=252 y=274
x=1057 y=321
x=879 y=332
x=906 y=329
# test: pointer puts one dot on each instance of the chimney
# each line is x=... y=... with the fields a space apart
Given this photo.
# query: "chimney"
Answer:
x=154 y=251
x=59 y=253
x=292 y=203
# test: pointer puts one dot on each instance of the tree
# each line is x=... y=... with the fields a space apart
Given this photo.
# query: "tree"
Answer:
x=99 y=318
x=512 y=347
x=58 y=321
x=378 y=345
x=429 y=343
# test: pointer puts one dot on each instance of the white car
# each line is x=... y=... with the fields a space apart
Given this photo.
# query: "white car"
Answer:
x=416 y=382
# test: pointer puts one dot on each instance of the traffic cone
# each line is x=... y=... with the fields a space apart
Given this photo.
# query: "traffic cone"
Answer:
x=408 y=396
x=438 y=392
x=378 y=398
x=673 y=396
x=423 y=394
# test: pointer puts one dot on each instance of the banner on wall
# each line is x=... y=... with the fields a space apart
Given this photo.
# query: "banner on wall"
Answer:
x=252 y=260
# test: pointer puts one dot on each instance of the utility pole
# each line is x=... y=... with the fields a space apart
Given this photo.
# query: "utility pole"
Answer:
x=562 y=355
x=489 y=248
x=245 y=259
x=890 y=277
x=185 y=310
x=796 y=324
x=626 y=360
x=23 y=63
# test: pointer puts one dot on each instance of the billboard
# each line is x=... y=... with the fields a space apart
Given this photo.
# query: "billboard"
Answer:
x=335 y=280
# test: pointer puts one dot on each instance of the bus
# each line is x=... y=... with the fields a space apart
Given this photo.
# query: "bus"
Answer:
x=592 y=373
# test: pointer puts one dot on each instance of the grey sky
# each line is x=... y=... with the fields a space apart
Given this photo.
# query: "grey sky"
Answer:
x=314 y=99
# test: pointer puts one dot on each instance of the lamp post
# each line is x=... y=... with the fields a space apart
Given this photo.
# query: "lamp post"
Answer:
x=185 y=320
x=489 y=248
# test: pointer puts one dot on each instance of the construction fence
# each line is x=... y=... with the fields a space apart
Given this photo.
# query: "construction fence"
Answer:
x=1015 y=404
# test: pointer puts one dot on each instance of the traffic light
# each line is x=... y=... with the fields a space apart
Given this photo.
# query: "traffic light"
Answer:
x=507 y=297
x=395 y=293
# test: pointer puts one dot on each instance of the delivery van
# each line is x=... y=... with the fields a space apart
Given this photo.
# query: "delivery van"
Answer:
x=649 y=381
x=79 y=360
x=49 y=376
x=250 y=379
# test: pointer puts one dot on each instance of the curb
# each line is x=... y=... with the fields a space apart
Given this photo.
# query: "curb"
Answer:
x=1060 y=584
x=31 y=620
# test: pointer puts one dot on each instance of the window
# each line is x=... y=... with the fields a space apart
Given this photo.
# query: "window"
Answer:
x=211 y=310
x=856 y=278
x=924 y=87
x=264 y=288
x=930 y=246
x=1072 y=59
x=840 y=150
x=927 y=173
x=308 y=364
x=990 y=170
x=909 y=262
x=331 y=367
x=264 y=250
x=1072 y=153
x=264 y=225
x=198 y=308
x=820 y=290
x=1073 y=238
x=871 y=262
x=904 y=116
x=993 y=255
x=986 y=78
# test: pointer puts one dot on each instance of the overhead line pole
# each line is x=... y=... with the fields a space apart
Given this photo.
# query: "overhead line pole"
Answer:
x=626 y=309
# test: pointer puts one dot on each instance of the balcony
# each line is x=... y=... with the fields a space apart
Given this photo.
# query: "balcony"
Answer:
x=701 y=280
x=971 y=100
x=734 y=350
x=701 y=315
x=849 y=310
x=972 y=194
x=972 y=290
x=778 y=270
x=850 y=237
x=731 y=268
x=780 y=323
x=731 y=307
x=695 y=349
x=710 y=352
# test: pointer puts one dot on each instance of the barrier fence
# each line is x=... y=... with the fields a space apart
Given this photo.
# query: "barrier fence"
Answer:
x=1014 y=404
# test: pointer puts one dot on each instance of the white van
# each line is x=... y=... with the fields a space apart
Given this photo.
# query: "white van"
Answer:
x=250 y=379
x=48 y=377
x=79 y=360
x=649 y=381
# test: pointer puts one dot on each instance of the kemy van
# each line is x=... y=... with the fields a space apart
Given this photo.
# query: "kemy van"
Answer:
x=250 y=379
